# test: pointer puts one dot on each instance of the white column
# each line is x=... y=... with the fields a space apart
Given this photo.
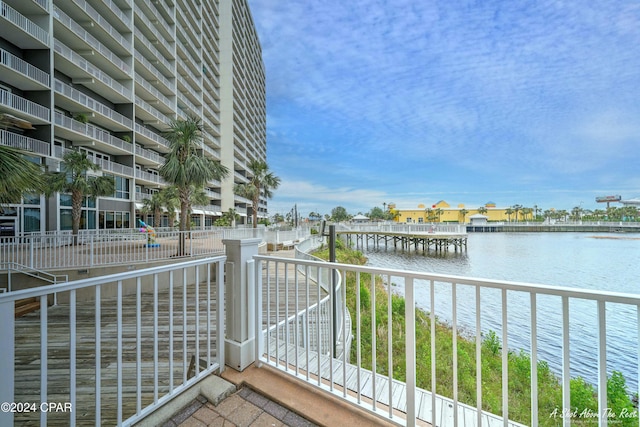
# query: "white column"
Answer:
x=240 y=303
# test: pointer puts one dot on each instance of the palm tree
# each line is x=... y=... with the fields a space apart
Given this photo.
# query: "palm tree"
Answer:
x=464 y=213
x=17 y=175
x=262 y=182
x=185 y=168
x=153 y=205
x=73 y=179
x=508 y=212
x=170 y=202
x=482 y=210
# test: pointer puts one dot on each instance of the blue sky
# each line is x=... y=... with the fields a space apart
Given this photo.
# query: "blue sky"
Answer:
x=405 y=101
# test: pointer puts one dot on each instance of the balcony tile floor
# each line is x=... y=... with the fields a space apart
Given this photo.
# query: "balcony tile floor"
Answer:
x=244 y=408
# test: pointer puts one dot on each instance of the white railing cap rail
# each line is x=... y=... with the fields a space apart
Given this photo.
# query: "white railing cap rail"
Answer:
x=589 y=294
x=92 y=281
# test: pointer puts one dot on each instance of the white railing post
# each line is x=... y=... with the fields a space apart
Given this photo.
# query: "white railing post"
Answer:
x=91 y=249
x=31 y=240
x=240 y=299
x=7 y=359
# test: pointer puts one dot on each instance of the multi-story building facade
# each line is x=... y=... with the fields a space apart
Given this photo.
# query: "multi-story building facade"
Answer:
x=108 y=76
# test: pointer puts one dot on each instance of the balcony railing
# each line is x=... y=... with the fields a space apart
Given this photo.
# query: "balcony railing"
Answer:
x=152 y=135
x=148 y=154
x=23 y=142
x=132 y=342
x=288 y=337
x=23 y=23
x=24 y=105
x=156 y=73
x=23 y=67
x=104 y=23
x=79 y=31
x=92 y=132
x=85 y=65
x=91 y=103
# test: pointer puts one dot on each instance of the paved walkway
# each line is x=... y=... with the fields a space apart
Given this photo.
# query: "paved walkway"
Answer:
x=268 y=397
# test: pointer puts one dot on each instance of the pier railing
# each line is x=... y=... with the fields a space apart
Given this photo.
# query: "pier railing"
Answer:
x=115 y=347
x=405 y=393
x=406 y=228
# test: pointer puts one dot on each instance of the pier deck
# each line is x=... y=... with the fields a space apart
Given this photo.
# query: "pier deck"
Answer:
x=406 y=241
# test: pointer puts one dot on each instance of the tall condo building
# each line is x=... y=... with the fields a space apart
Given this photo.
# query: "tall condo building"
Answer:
x=107 y=77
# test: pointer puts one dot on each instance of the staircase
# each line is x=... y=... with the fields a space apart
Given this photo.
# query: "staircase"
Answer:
x=26 y=306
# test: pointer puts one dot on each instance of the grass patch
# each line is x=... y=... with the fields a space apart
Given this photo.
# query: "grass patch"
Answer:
x=373 y=293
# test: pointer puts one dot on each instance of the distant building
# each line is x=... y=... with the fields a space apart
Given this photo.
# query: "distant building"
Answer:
x=443 y=212
x=108 y=77
x=360 y=219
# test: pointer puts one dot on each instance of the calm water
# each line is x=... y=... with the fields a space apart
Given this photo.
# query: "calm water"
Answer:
x=581 y=260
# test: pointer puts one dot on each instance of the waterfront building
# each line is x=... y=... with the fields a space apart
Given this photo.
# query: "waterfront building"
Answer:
x=107 y=77
x=444 y=212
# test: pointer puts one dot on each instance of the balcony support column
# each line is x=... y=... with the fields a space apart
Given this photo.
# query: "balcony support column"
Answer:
x=240 y=300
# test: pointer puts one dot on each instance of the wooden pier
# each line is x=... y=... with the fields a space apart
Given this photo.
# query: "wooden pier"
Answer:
x=406 y=241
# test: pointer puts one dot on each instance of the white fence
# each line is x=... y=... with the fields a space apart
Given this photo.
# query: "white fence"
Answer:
x=405 y=228
x=115 y=348
x=96 y=248
x=404 y=401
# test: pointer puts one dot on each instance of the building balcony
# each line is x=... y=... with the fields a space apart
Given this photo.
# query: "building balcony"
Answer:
x=151 y=139
x=148 y=157
x=19 y=73
x=73 y=100
x=146 y=90
x=150 y=114
x=85 y=134
x=20 y=30
x=210 y=152
x=111 y=11
x=85 y=73
x=148 y=28
x=83 y=12
x=150 y=72
x=105 y=165
x=148 y=49
x=23 y=108
x=25 y=143
x=162 y=24
x=73 y=35
x=147 y=178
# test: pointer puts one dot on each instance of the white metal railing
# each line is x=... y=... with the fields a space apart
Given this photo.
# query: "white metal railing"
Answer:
x=91 y=103
x=468 y=302
x=22 y=104
x=24 y=23
x=147 y=176
x=92 y=41
x=12 y=268
x=405 y=228
x=156 y=73
x=152 y=135
x=148 y=154
x=105 y=24
x=118 y=246
x=17 y=64
x=92 y=132
x=24 y=142
x=154 y=52
x=118 y=12
x=129 y=342
x=155 y=92
x=152 y=110
x=43 y=4
x=63 y=50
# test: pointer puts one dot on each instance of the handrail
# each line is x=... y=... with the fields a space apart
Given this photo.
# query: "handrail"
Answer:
x=518 y=304
x=38 y=274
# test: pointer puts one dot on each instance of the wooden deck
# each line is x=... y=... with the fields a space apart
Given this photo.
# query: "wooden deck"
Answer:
x=27 y=351
x=406 y=241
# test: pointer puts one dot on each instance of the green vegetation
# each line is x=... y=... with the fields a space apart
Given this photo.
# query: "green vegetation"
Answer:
x=74 y=179
x=261 y=183
x=583 y=395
